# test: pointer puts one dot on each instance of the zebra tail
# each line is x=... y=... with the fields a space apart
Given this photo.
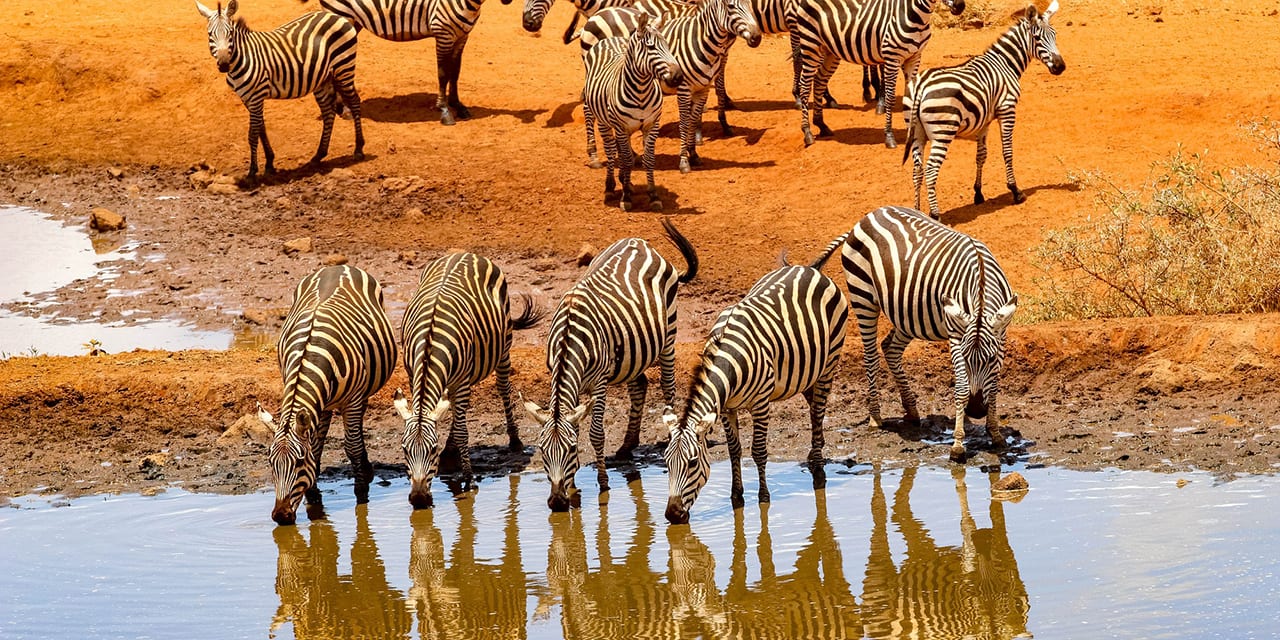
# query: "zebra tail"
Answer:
x=913 y=133
x=782 y=259
x=686 y=249
x=831 y=248
x=570 y=33
x=530 y=315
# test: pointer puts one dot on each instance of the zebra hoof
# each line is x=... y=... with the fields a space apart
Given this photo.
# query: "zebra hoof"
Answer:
x=824 y=131
x=695 y=160
x=655 y=205
x=595 y=164
x=764 y=496
x=625 y=205
x=978 y=197
x=726 y=130
x=957 y=453
x=890 y=143
x=358 y=156
x=684 y=165
x=1019 y=197
x=736 y=500
x=446 y=118
x=808 y=139
x=463 y=112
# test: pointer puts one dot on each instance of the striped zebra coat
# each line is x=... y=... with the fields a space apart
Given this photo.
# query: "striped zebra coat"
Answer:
x=932 y=283
x=869 y=32
x=449 y=22
x=535 y=11
x=456 y=332
x=336 y=349
x=962 y=101
x=314 y=54
x=699 y=37
x=783 y=338
x=613 y=324
x=621 y=90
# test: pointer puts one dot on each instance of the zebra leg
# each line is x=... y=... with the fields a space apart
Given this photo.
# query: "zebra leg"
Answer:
x=917 y=166
x=1006 y=145
x=637 y=389
x=685 y=99
x=458 y=436
x=868 y=314
x=806 y=69
x=894 y=344
x=593 y=158
x=346 y=89
x=937 y=154
x=650 y=145
x=993 y=423
x=508 y=405
x=961 y=400
x=353 y=444
x=699 y=104
x=667 y=368
x=866 y=83
x=626 y=162
x=326 y=98
x=611 y=157
x=444 y=73
x=892 y=70
x=828 y=69
x=723 y=102
x=315 y=506
x=267 y=152
x=760 y=444
x=597 y=437
x=980 y=159
x=257 y=128
x=817 y=398
x=729 y=417
x=455 y=69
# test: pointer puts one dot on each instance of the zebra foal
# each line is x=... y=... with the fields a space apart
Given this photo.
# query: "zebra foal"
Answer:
x=614 y=323
x=962 y=101
x=868 y=32
x=335 y=350
x=448 y=21
x=457 y=331
x=314 y=54
x=783 y=338
x=622 y=92
x=932 y=283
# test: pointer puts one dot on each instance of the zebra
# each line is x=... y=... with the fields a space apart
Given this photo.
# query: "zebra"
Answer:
x=932 y=283
x=961 y=101
x=315 y=53
x=535 y=11
x=891 y=33
x=335 y=350
x=783 y=338
x=621 y=90
x=456 y=331
x=699 y=37
x=608 y=328
x=448 y=21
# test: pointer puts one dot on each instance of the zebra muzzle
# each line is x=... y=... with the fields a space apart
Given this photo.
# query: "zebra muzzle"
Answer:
x=676 y=513
x=284 y=515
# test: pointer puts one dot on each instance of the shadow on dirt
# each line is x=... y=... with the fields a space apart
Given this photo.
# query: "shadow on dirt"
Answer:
x=936 y=431
x=421 y=107
x=303 y=171
x=970 y=212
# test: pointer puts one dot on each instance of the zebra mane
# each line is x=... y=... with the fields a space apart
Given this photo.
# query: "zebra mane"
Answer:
x=699 y=374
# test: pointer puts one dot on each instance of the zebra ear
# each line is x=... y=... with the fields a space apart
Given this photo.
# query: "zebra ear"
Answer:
x=1053 y=8
x=537 y=414
x=672 y=421
x=704 y=425
x=955 y=313
x=1005 y=315
x=205 y=11
x=642 y=21
x=1032 y=13
x=402 y=405
x=575 y=416
x=232 y=6
x=265 y=417
x=439 y=411
x=302 y=423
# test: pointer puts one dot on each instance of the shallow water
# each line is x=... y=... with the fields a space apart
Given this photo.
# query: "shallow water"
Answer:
x=903 y=553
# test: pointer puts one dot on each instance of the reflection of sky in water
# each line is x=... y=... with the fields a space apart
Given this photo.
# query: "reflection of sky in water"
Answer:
x=41 y=254
x=1098 y=555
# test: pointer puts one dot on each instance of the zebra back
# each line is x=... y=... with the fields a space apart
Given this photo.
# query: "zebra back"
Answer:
x=406 y=20
x=867 y=32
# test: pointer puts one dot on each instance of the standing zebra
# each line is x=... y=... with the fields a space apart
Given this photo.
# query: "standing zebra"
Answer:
x=961 y=101
x=448 y=21
x=314 y=54
x=699 y=38
x=457 y=331
x=869 y=32
x=783 y=338
x=535 y=11
x=336 y=349
x=621 y=89
x=933 y=283
x=609 y=327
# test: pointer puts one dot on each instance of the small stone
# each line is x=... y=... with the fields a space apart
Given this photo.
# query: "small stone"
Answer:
x=544 y=264
x=1159 y=19
x=105 y=220
x=153 y=490
x=255 y=316
x=413 y=212
x=223 y=189
x=1012 y=482
x=154 y=460
x=116 y=173
x=248 y=427
x=586 y=253
x=342 y=173
x=391 y=147
x=298 y=245
x=334 y=259
x=1182 y=482
x=407 y=256
x=134 y=191
x=201 y=179
x=284 y=203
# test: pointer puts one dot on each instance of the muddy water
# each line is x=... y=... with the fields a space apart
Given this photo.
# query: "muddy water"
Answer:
x=902 y=553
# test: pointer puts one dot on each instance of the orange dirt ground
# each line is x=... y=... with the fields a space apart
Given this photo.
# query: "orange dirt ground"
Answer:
x=93 y=84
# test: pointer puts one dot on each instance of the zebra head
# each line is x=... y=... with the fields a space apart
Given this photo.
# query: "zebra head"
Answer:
x=422 y=446
x=1045 y=39
x=955 y=6
x=558 y=442
x=977 y=348
x=292 y=459
x=651 y=49
x=535 y=11
x=688 y=462
x=222 y=25
x=742 y=21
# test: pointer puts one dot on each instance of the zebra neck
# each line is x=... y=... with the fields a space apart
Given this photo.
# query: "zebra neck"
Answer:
x=639 y=71
x=428 y=388
x=922 y=8
x=1013 y=49
x=714 y=22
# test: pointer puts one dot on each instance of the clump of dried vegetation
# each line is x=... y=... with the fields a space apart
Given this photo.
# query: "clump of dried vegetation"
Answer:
x=1194 y=240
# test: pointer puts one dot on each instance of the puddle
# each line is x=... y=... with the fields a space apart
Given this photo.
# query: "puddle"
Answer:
x=903 y=553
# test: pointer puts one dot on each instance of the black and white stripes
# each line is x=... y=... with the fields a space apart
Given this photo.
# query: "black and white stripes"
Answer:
x=457 y=331
x=783 y=338
x=314 y=54
x=962 y=101
x=932 y=283
x=336 y=349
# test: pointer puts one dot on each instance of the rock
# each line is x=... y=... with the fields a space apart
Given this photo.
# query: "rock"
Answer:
x=153 y=490
x=255 y=316
x=134 y=191
x=1012 y=482
x=201 y=179
x=223 y=189
x=298 y=245
x=105 y=220
x=544 y=264
x=152 y=466
x=407 y=256
x=342 y=173
x=284 y=203
x=1182 y=482
x=334 y=259
x=586 y=253
x=403 y=184
x=413 y=212
x=116 y=173
x=248 y=427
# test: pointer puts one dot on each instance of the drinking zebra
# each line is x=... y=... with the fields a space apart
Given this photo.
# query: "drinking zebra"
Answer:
x=610 y=326
x=699 y=38
x=448 y=21
x=960 y=102
x=933 y=283
x=457 y=331
x=314 y=54
x=621 y=90
x=783 y=338
x=869 y=32
x=336 y=349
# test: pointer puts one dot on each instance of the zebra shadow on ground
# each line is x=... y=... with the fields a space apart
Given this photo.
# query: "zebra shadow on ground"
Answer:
x=670 y=162
x=711 y=130
x=306 y=170
x=935 y=431
x=640 y=196
x=421 y=107
x=790 y=105
x=970 y=212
